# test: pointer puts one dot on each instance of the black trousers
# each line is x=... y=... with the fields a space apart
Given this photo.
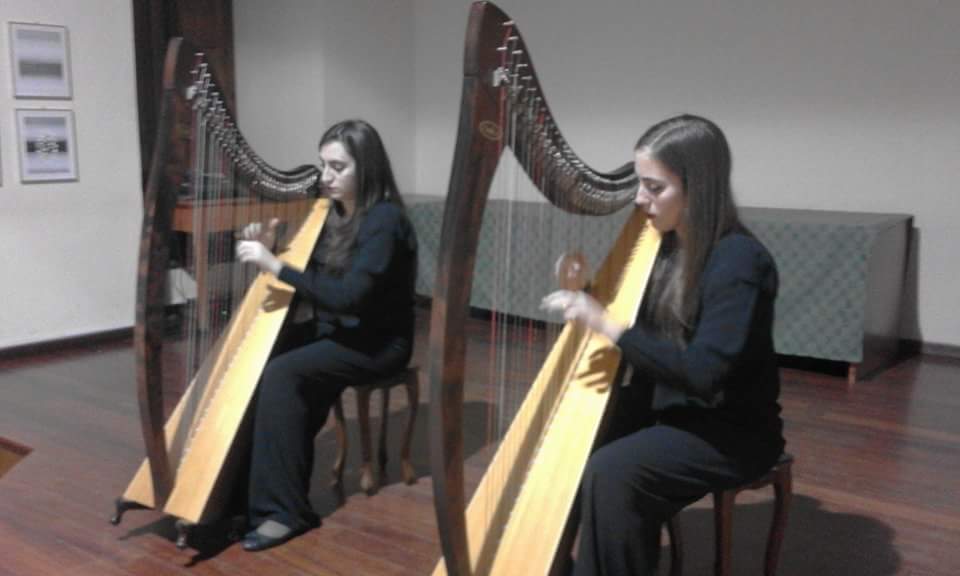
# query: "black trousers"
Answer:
x=639 y=480
x=299 y=385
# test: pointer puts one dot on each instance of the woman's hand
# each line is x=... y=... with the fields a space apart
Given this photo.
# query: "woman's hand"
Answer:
x=265 y=235
x=581 y=307
x=253 y=251
x=572 y=271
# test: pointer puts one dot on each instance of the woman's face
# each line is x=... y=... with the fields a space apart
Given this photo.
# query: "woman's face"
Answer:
x=339 y=173
x=660 y=194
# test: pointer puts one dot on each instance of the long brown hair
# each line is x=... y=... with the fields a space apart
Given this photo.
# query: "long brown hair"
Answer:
x=375 y=183
x=696 y=151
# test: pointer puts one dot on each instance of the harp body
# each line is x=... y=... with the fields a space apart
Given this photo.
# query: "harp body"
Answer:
x=519 y=519
x=207 y=182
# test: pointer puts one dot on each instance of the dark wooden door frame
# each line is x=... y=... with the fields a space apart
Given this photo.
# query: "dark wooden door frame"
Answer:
x=207 y=24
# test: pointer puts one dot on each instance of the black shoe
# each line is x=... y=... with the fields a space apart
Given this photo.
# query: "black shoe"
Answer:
x=255 y=541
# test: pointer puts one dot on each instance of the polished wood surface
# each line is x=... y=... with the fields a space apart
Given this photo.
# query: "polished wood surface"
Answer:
x=875 y=481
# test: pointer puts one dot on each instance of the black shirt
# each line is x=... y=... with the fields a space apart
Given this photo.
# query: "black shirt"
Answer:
x=372 y=303
x=724 y=382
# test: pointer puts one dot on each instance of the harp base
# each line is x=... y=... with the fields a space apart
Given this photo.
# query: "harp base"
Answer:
x=235 y=528
x=121 y=507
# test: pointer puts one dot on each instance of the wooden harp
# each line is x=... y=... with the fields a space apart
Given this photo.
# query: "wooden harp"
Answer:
x=518 y=521
x=205 y=183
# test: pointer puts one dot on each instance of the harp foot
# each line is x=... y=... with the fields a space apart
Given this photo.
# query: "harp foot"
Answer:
x=183 y=533
x=121 y=507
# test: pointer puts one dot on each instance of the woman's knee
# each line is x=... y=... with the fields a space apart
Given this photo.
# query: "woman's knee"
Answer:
x=605 y=471
x=623 y=477
x=279 y=383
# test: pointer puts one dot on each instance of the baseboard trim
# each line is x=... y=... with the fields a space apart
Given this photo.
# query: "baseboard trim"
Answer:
x=58 y=346
x=908 y=348
x=932 y=348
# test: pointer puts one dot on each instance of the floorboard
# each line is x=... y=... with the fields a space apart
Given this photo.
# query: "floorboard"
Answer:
x=877 y=479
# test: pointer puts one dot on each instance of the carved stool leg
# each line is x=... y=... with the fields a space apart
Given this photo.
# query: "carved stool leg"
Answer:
x=384 y=425
x=367 y=483
x=676 y=547
x=723 y=530
x=338 y=463
x=413 y=400
x=783 y=491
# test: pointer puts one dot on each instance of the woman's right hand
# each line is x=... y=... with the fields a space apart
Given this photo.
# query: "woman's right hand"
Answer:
x=581 y=307
x=265 y=235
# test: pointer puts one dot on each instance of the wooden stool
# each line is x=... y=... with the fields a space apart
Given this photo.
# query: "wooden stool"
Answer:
x=781 y=477
x=409 y=378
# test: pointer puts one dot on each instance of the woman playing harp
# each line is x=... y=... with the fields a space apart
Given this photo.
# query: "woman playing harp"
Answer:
x=206 y=184
x=203 y=331
x=203 y=327
x=702 y=354
x=358 y=287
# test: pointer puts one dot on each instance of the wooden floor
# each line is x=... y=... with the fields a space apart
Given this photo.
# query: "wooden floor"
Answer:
x=877 y=484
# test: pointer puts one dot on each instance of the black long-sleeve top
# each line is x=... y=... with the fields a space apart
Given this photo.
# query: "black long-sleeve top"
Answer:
x=372 y=302
x=725 y=381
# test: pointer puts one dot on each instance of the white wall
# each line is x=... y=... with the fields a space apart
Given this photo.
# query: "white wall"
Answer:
x=834 y=105
x=68 y=249
x=303 y=65
x=848 y=105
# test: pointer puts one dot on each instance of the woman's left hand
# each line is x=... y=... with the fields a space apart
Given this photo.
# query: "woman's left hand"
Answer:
x=581 y=307
x=255 y=252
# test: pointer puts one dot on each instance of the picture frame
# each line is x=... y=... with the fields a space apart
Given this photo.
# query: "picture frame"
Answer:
x=40 y=61
x=47 y=143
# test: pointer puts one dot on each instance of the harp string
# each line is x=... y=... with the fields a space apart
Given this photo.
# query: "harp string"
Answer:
x=519 y=343
x=222 y=189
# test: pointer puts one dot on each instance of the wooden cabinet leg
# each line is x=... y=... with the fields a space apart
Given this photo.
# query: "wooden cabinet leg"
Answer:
x=852 y=374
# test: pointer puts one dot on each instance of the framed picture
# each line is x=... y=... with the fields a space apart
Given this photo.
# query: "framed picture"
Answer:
x=48 y=150
x=41 y=66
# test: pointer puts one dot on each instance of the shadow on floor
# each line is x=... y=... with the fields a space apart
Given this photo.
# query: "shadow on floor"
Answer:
x=817 y=542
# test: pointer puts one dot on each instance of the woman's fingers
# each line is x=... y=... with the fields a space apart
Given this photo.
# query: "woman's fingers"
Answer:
x=251 y=231
x=249 y=250
x=556 y=301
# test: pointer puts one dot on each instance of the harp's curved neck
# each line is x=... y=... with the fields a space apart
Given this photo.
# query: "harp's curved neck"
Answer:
x=502 y=105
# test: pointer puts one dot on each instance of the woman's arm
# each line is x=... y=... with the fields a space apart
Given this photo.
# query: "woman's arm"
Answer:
x=257 y=245
x=376 y=244
x=737 y=274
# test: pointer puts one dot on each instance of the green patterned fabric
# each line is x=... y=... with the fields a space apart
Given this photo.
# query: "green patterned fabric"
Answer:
x=823 y=259
x=519 y=244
